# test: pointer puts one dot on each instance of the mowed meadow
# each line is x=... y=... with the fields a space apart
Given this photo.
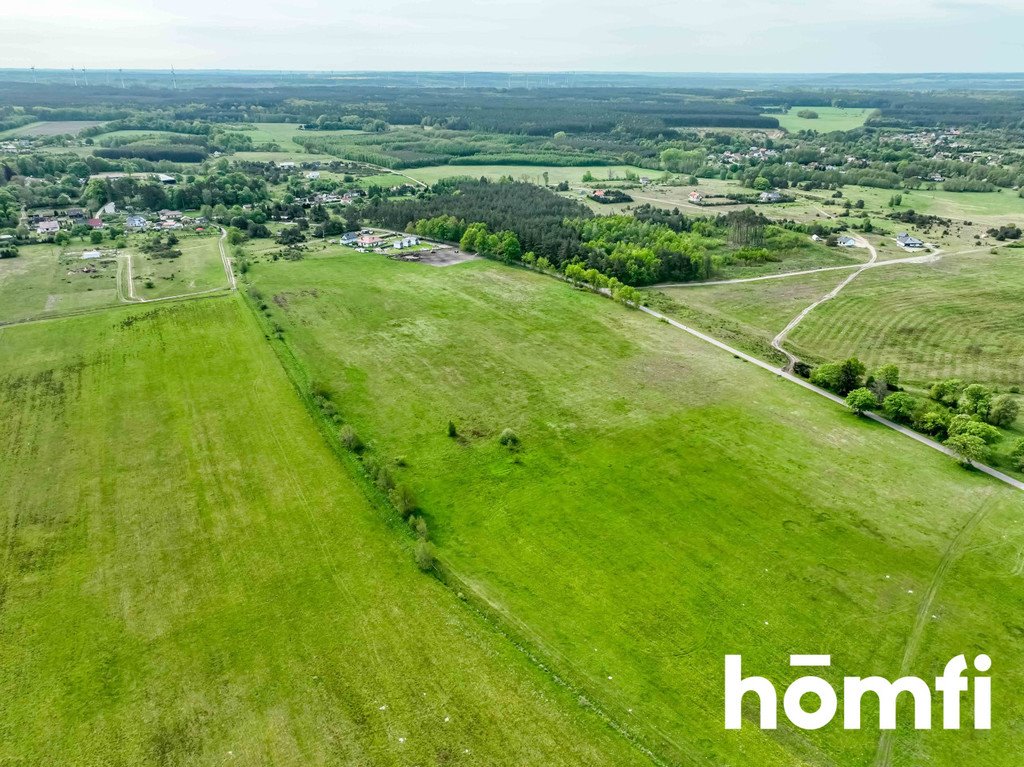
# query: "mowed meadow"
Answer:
x=190 y=575
x=961 y=317
x=667 y=504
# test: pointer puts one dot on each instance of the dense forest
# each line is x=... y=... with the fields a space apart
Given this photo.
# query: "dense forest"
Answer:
x=536 y=215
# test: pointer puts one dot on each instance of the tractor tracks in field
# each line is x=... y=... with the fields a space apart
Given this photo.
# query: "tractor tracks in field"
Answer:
x=886 y=741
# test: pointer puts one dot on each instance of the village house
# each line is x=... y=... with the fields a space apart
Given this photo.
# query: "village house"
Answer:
x=769 y=197
x=91 y=254
x=94 y=223
x=170 y=213
x=406 y=242
x=136 y=222
x=163 y=178
x=369 y=240
x=48 y=226
x=349 y=237
x=846 y=241
x=910 y=243
x=696 y=197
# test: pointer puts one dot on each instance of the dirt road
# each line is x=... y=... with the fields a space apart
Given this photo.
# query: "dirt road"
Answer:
x=781 y=337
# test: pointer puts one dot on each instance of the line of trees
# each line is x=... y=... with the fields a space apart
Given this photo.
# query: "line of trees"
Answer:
x=967 y=418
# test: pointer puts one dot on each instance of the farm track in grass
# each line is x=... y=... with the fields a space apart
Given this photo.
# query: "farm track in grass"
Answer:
x=233 y=593
x=886 y=742
x=634 y=578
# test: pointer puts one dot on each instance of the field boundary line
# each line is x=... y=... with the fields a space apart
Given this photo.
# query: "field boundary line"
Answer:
x=510 y=628
x=211 y=293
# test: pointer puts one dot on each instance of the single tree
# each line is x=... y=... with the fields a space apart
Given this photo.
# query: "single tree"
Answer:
x=900 y=407
x=860 y=400
x=1003 y=411
x=968 y=448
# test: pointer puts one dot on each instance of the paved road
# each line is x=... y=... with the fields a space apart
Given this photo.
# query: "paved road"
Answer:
x=830 y=396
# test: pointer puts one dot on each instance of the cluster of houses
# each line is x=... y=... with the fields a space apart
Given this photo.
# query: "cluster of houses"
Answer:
x=369 y=240
x=328 y=198
x=46 y=225
x=167 y=220
x=944 y=145
x=756 y=153
x=15 y=147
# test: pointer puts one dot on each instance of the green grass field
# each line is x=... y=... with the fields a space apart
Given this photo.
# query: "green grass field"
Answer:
x=829 y=119
x=198 y=268
x=984 y=207
x=959 y=317
x=664 y=496
x=746 y=315
x=191 y=576
x=44 y=280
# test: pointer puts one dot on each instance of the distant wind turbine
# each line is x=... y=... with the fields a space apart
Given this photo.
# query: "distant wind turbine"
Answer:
x=74 y=76
x=174 y=82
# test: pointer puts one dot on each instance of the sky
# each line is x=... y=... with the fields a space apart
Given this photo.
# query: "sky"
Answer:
x=523 y=35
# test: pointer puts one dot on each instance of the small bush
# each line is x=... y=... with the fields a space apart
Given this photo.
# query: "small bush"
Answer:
x=404 y=500
x=424 y=555
x=379 y=473
x=452 y=431
x=351 y=440
x=509 y=439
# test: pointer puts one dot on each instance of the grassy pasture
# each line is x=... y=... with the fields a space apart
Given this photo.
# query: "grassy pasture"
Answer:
x=44 y=280
x=143 y=136
x=985 y=207
x=669 y=503
x=190 y=576
x=746 y=315
x=829 y=119
x=198 y=268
